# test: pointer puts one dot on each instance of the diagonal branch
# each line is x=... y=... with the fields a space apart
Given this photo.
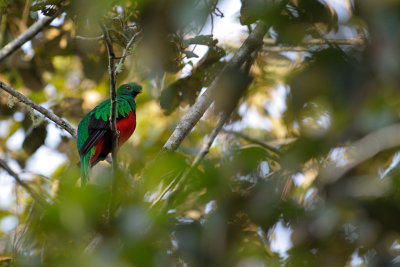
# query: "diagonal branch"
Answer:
x=45 y=112
x=128 y=46
x=16 y=177
x=262 y=143
x=252 y=44
x=85 y=38
x=238 y=81
x=27 y=35
x=179 y=181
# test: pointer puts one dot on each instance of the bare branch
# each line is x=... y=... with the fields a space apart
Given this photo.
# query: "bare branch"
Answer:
x=206 y=146
x=113 y=118
x=45 y=112
x=113 y=96
x=27 y=35
x=16 y=177
x=252 y=44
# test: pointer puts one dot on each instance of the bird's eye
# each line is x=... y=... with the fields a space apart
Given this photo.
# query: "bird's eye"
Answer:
x=128 y=88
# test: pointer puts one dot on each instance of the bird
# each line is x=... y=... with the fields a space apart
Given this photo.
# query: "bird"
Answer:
x=94 y=130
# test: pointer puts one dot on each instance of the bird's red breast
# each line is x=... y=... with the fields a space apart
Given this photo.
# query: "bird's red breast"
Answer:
x=125 y=126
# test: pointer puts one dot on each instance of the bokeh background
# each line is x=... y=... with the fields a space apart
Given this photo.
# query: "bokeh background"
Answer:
x=303 y=173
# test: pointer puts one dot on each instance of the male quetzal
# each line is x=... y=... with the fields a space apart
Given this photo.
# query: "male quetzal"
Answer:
x=94 y=130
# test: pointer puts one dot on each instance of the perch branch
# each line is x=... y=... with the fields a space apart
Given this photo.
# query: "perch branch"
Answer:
x=113 y=96
x=45 y=112
x=113 y=119
x=16 y=177
x=27 y=35
x=252 y=44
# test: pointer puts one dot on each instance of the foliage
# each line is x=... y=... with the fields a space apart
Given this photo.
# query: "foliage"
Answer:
x=311 y=145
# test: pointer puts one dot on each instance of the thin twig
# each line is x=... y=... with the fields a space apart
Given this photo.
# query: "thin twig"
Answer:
x=179 y=181
x=45 y=112
x=16 y=177
x=206 y=146
x=21 y=233
x=93 y=244
x=252 y=44
x=27 y=35
x=96 y=38
x=253 y=140
x=128 y=46
x=167 y=188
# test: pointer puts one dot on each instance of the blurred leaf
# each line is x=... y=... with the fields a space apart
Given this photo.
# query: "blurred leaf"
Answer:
x=190 y=54
x=35 y=138
x=69 y=107
x=183 y=91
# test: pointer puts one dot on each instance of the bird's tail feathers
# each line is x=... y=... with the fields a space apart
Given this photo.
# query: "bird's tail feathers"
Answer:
x=84 y=170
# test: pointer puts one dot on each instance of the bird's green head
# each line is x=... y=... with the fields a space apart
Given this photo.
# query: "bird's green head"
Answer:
x=131 y=88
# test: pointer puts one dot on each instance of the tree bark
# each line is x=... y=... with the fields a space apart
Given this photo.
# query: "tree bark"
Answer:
x=252 y=44
x=26 y=35
x=45 y=112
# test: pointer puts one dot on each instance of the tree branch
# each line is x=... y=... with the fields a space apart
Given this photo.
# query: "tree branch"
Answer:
x=45 y=112
x=27 y=35
x=206 y=146
x=113 y=119
x=27 y=188
x=237 y=82
x=252 y=44
x=177 y=183
x=253 y=140
x=113 y=96
x=96 y=38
